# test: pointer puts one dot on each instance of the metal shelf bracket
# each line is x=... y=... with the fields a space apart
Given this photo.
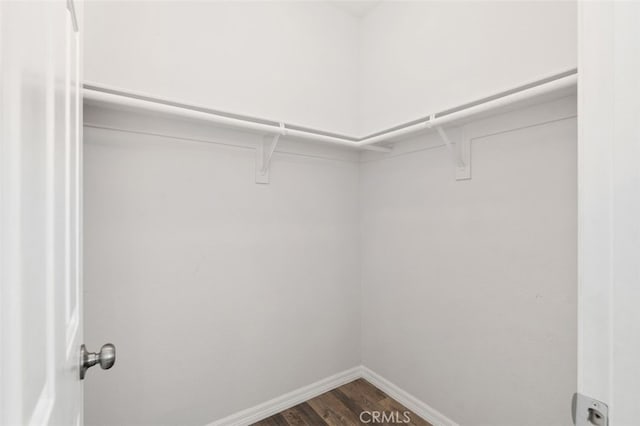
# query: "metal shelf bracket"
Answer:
x=264 y=154
x=460 y=151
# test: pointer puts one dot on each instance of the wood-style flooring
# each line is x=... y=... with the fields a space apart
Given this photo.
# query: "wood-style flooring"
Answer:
x=355 y=403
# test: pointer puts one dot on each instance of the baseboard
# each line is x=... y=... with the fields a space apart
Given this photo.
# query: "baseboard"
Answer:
x=425 y=411
x=276 y=405
x=269 y=408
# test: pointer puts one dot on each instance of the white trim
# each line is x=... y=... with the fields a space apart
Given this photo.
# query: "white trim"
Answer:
x=288 y=400
x=298 y=396
x=419 y=407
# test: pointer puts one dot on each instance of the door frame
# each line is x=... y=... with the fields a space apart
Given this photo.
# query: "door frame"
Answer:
x=609 y=206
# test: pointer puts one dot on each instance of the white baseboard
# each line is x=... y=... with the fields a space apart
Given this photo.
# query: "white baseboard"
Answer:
x=420 y=408
x=288 y=400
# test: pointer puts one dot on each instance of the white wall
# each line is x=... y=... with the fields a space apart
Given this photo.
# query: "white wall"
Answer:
x=312 y=64
x=417 y=58
x=290 y=61
x=219 y=293
x=469 y=287
x=242 y=292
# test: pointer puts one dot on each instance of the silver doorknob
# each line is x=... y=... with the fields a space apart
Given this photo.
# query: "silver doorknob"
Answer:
x=106 y=358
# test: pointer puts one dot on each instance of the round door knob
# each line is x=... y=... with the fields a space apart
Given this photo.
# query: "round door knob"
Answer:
x=106 y=358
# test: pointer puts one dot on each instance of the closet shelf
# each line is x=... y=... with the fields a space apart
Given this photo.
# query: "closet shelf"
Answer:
x=557 y=83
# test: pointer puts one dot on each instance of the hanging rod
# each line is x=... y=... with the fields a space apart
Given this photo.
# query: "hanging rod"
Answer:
x=129 y=100
x=551 y=84
x=555 y=83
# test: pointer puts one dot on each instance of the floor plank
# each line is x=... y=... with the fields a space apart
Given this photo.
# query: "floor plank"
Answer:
x=294 y=417
x=334 y=412
x=312 y=417
x=342 y=407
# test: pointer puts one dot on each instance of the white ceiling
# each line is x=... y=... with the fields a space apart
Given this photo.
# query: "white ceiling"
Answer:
x=356 y=8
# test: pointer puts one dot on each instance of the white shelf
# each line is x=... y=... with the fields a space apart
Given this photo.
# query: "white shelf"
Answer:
x=555 y=84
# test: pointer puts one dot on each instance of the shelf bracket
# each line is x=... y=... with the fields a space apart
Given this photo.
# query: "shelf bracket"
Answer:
x=461 y=152
x=264 y=154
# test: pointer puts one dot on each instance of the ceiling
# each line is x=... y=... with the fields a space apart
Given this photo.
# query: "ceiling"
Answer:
x=357 y=9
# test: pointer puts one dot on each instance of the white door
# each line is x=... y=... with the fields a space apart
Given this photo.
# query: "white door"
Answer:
x=609 y=208
x=40 y=214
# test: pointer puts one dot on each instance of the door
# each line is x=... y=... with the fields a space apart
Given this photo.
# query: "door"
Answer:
x=609 y=209
x=40 y=214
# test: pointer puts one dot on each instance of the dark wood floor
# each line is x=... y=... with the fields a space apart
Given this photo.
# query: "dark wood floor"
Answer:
x=343 y=407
